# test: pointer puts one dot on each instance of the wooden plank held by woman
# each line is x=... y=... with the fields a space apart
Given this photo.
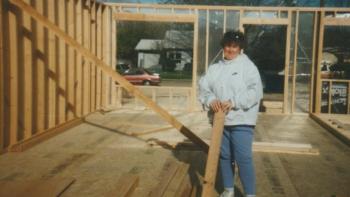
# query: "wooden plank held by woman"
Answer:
x=213 y=155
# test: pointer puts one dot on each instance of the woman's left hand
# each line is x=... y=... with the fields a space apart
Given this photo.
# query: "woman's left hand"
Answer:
x=226 y=106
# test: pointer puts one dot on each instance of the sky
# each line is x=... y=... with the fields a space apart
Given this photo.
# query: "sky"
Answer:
x=316 y=3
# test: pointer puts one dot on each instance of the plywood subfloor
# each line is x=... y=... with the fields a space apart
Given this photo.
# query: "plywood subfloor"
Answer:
x=98 y=152
x=338 y=124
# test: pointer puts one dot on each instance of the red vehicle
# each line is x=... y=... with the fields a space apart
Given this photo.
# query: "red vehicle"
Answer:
x=139 y=76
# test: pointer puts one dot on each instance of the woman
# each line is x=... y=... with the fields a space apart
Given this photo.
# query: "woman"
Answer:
x=233 y=85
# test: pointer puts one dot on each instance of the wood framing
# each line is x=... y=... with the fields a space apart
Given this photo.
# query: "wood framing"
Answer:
x=194 y=64
x=241 y=28
x=336 y=21
x=295 y=60
x=336 y=80
x=70 y=63
x=343 y=136
x=349 y=97
x=86 y=64
x=185 y=18
x=13 y=67
x=207 y=42
x=318 y=67
x=267 y=21
x=2 y=83
x=185 y=92
x=330 y=96
x=40 y=71
x=312 y=84
x=61 y=73
x=52 y=72
x=99 y=55
x=330 y=82
x=43 y=82
x=182 y=18
x=28 y=76
x=108 y=51
x=79 y=60
x=229 y=8
x=103 y=55
x=40 y=137
x=40 y=83
x=281 y=19
x=110 y=72
x=286 y=68
x=113 y=58
x=274 y=21
x=225 y=21
x=93 y=42
x=325 y=21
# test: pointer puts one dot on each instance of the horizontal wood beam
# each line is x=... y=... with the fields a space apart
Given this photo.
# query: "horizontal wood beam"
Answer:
x=112 y=73
x=335 y=80
x=173 y=88
x=237 y=8
x=265 y=21
x=180 y=18
x=337 y=21
x=343 y=136
x=37 y=138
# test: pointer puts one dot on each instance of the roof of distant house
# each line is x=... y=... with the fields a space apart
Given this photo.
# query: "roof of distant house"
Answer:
x=174 y=39
x=148 y=44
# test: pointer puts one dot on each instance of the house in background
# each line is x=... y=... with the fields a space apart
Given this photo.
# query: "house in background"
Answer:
x=148 y=52
x=174 y=51
x=178 y=46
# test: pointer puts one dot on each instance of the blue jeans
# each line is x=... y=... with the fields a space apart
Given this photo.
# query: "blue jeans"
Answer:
x=236 y=149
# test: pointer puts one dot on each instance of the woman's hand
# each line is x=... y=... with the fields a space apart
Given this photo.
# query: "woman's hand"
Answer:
x=226 y=106
x=215 y=105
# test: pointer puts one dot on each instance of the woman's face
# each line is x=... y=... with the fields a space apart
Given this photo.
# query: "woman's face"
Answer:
x=231 y=51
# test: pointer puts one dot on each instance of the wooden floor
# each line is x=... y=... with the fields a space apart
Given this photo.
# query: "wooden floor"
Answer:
x=338 y=124
x=97 y=153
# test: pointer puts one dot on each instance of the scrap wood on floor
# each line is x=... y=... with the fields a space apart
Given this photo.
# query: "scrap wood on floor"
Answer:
x=267 y=147
x=35 y=188
x=125 y=186
x=174 y=180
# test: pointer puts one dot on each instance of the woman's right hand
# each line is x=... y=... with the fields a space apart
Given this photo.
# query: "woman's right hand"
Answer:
x=215 y=105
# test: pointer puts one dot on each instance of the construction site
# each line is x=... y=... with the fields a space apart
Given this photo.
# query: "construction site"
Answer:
x=76 y=121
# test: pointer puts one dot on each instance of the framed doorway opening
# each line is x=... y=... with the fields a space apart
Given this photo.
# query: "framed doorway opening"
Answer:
x=333 y=64
x=268 y=36
x=172 y=56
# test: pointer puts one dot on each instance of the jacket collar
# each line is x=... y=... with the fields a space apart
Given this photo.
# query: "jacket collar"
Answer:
x=226 y=62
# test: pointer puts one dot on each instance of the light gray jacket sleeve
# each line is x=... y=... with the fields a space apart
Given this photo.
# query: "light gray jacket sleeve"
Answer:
x=206 y=95
x=251 y=92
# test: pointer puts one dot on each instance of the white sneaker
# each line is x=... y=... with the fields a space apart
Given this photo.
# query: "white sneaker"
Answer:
x=227 y=193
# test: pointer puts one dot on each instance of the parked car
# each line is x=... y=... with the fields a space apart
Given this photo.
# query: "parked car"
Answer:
x=140 y=76
x=122 y=67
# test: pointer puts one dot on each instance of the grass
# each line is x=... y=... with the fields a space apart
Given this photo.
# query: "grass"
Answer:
x=175 y=75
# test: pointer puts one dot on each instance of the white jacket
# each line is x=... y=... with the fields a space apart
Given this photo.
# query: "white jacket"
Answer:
x=237 y=80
